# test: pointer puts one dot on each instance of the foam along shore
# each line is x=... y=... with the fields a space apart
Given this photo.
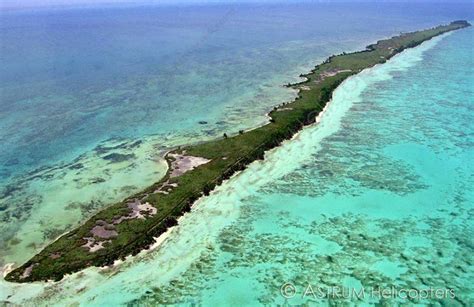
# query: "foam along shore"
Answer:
x=128 y=227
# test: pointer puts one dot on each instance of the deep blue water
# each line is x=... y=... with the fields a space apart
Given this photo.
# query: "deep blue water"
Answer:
x=79 y=85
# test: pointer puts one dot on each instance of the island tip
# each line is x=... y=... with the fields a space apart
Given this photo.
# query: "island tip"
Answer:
x=463 y=23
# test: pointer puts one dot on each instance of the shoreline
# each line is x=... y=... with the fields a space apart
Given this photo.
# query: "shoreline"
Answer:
x=228 y=157
x=161 y=239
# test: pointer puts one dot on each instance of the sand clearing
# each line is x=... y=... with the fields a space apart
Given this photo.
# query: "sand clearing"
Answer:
x=183 y=164
x=104 y=230
x=27 y=271
x=93 y=245
x=329 y=73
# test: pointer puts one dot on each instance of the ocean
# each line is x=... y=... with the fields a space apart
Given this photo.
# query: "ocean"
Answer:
x=91 y=98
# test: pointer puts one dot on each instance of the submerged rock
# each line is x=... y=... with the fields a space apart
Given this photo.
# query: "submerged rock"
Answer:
x=117 y=157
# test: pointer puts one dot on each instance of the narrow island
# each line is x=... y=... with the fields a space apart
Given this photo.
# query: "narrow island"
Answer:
x=132 y=225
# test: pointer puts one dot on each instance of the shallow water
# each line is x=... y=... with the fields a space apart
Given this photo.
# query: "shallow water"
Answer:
x=90 y=98
x=380 y=199
x=377 y=194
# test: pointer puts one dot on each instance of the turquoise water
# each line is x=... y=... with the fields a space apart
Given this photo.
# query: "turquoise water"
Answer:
x=376 y=195
x=91 y=98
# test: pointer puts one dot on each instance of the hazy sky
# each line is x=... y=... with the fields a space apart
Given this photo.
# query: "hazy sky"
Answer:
x=40 y=3
x=44 y=3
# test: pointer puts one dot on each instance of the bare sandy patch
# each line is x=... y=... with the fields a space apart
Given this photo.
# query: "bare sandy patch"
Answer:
x=183 y=164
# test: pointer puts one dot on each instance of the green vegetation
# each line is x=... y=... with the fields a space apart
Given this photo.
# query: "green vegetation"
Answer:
x=174 y=195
